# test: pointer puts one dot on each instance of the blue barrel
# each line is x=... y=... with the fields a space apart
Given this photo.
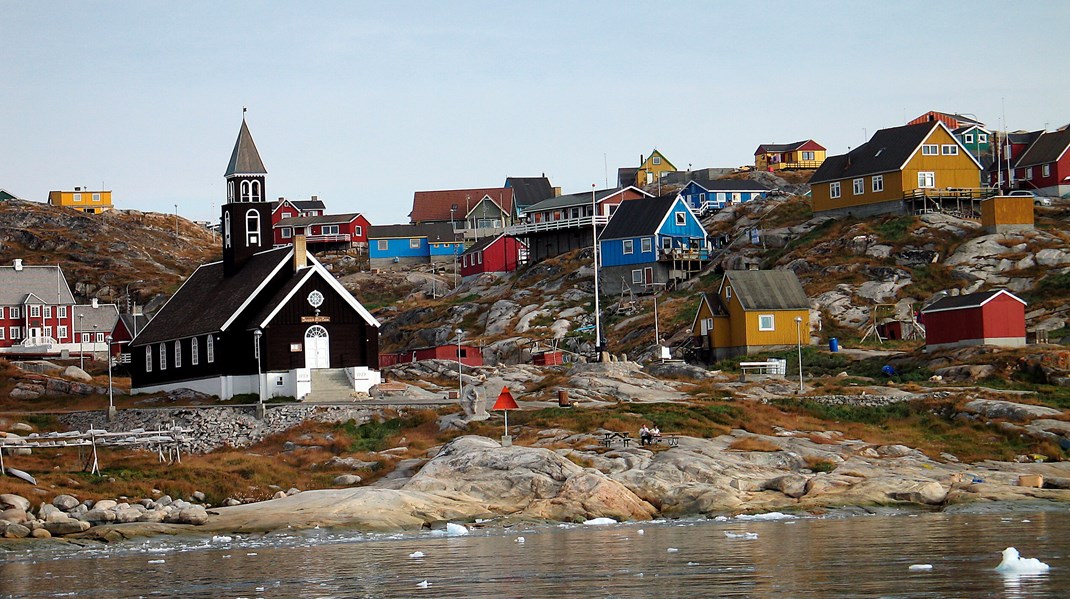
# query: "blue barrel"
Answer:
x=834 y=345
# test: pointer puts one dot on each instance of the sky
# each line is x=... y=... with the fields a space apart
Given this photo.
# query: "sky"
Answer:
x=364 y=103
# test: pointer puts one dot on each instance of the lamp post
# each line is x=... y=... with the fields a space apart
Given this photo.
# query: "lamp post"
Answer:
x=259 y=383
x=594 y=247
x=111 y=402
x=798 y=335
x=459 y=383
x=176 y=221
x=129 y=306
x=81 y=342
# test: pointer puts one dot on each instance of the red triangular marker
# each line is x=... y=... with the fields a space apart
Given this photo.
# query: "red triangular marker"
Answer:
x=505 y=401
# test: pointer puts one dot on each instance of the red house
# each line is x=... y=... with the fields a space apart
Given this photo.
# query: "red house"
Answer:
x=325 y=232
x=469 y=355
x=986 y=318
x=1045 y=166
x=290 y=208
x=493 y=254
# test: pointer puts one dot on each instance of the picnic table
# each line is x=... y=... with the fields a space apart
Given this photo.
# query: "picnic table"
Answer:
x=611 y=436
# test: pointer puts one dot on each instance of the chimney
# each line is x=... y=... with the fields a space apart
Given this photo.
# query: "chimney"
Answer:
x=95 y=304
x=315 y=198
x=300 y=257
x=18 y=264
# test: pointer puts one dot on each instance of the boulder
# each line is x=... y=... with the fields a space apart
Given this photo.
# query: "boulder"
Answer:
x=65 y=502
x=41 y=533
x=105 y=504
x=346 y=480
x=73 y=372
x=928 y=493
x=66 y=526
x=969 y=372
x=1009 y=410
x=15 y=515
x=97 y=516
x=22 y=427
x=16 y=531
x=10 y=500
x=22 y=393
x=792 y=485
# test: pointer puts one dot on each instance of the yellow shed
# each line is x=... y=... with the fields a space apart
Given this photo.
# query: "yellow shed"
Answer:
x=1007 y=213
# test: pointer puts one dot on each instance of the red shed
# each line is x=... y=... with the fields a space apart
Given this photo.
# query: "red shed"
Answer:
x=987 y=318
x=470 y=355
x=492 y=254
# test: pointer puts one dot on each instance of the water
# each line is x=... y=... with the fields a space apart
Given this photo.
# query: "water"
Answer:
x=857 y=556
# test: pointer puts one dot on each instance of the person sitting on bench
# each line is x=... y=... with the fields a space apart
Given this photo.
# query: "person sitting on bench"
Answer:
x=644 y=435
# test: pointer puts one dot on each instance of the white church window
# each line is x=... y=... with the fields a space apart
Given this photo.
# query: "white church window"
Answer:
x=252 y=228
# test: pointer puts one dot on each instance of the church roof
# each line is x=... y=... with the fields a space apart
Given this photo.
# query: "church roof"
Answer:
x=245 y=160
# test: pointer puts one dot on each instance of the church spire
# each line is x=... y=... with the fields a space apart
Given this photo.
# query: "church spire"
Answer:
x=245 y=160
x=246 y=217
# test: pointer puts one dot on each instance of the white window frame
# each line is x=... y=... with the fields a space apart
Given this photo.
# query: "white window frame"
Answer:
x=62 y=311
x=808 y=156
x=48 y=331
x=858 y=186
x=949 y=150
x=647 y=245
x=666 y=243
x=728 y=292
x=35 y=311
x=766 y=322
x=14 y=312
x=926 y=180
x=681 y=219
x=878 y=183
x=930 y=150
x=358 y=230
x=637 y=276
x=834 y=189
x=968 y=138
x=148 y=358
x=77 y=197
x=194 y=351
x=99 y=338
x=209 y=349
x=1 y=312
x=48 y=311
x=1045 y=170
x=329 y=230
x=178 y=354
x=16 y=333
x=414 y=244
x=982 y=138
x=226 y=229
x=96 y=197
x=655 y=160
x=627 y=246
x=3 y=333
x=163 y=356
x=61 y=333
x=383 y=244
x=287 y=232
x=1027 y=176
x=252 y=229
x=86 y=338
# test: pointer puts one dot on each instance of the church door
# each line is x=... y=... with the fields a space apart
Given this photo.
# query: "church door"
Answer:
x=317 y=348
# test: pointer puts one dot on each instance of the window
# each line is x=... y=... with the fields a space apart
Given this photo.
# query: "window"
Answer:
x=16 y=333
x=63 y=311
x=647 y=245
x=194 y=352
x=834 y=189
x=252 y=230
x=950 y=150
x=178 y=354
x=254 y=190
x=414 y=244
x=479 y=256
x=1 y=312
x=86 y=338
x=48 y=331
x=148 y=358
x=878 y=183
x=287 y=232
x=637 y=276
x=1028 y=175
x=1045 y=171
x=77 y=197
x=656 y=160
x=926 y=180
x=968 y=138
x=62 y=333
x=99 y=338
x=628 y=246
x=163 y=356
x=807 y=155
x=383 y=245
x=210 y=349
x=982 y=138
x=930 y=150
x=728 y=293
x=681 y=219
x=35 y=311
x=230 y=190
x=859 y=186
x=358 y=230
x=2 y=332
x=14 y=310
x=48 y=311
x=226 y=229
x=245 y=191
x=702 y=198
x=765 y=322
x=96 y=197
x=666 y=243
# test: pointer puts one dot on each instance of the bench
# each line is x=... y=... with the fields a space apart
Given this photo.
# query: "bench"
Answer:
x=610 y=437
x=670 y=439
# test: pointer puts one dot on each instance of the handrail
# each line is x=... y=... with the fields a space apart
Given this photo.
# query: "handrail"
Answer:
x=554 y=225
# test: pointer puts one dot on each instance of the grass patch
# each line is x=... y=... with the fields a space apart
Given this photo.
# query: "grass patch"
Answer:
x=753 y=444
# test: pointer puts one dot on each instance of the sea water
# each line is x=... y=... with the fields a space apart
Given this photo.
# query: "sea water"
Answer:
x=778 y=556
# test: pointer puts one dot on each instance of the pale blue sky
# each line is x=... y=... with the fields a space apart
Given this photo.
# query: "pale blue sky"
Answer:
x=363 y=103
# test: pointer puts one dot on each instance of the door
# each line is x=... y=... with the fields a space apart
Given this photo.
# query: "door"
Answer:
x=317 y=348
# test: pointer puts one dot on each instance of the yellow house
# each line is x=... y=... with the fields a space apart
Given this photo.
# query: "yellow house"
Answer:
x=798 y=155
x=752 y=311
x=913 y=161
x=93 y=202
x=652 y=168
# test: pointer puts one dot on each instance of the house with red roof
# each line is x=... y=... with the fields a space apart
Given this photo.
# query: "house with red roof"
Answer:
x=801 y=154
x=324 y=232
x=478 y=213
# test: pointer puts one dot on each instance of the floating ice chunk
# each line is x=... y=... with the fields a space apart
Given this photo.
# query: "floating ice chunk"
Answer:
x=920 y=567
x=156 y=561
x=640 y=532
x=767 y=516
x=221 y=539
x=416 y=554
x=600 y=521
x=455 y=530
x=741 y=535
x=721 y=519
x=1013 y=563
x=692 y=563
x=672 y=550
x=424 y=584
x=520 y=539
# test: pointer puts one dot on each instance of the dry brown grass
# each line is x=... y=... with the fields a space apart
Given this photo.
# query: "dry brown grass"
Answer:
x=753 y=444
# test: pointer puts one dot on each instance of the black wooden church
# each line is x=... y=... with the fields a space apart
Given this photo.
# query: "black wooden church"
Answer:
x=262 y=320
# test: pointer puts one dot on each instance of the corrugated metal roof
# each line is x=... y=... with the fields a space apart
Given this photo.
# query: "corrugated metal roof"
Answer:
x=969 y=300
x=1046 y=149
x=767 y=289
x=432 y=231
x=638 y=217
x=434 y=206
x=886 y=151
x=326 y=219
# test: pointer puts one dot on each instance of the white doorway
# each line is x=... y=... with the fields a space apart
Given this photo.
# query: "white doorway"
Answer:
x=317 y=348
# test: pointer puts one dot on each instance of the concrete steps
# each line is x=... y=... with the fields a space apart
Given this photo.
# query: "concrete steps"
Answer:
x=329 y=385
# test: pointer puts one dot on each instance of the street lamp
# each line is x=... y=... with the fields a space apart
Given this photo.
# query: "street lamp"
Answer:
x=594 y=247
x=798 y=335
x=129 y=306
x=259 y=383
x=460 y=384
x=111 y=402
x=176 y=221
x=81 y=342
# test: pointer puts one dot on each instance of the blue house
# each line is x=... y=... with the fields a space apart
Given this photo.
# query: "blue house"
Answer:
x=391 y=246
x=706 y=195
x=651 y=244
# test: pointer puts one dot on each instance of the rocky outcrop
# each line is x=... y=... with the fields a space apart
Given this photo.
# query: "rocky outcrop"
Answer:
x=1018 y=412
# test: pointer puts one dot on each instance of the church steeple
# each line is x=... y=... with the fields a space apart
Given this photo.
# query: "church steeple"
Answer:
x=246 y=218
